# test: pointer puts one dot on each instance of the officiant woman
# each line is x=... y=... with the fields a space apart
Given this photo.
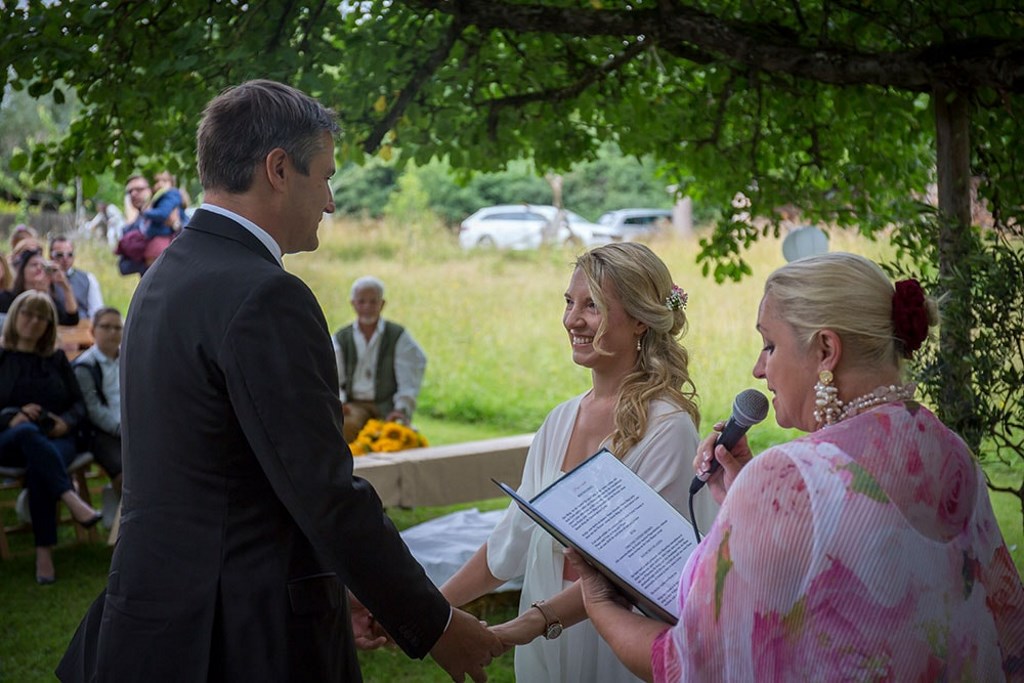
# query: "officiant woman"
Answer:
x=865 y=550
x=623 y=318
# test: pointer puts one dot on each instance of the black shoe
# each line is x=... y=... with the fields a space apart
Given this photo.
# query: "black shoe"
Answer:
x=90 y=523
x=45 y=580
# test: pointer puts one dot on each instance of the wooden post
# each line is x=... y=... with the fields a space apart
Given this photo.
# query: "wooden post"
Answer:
x=956 y=244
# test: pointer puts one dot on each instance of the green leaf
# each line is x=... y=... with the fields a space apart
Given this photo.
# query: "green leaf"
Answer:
x=90 y=185
x=39 y=88
x=18 y=160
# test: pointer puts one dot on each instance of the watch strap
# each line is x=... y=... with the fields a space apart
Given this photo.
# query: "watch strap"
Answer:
x=552 y=624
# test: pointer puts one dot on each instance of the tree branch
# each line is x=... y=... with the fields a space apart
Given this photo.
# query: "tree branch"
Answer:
x=956 y=64
x=573 y=89
x=415 y=84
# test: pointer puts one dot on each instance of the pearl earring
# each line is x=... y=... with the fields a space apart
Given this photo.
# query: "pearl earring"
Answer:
x=829 y=407
x=638 y=343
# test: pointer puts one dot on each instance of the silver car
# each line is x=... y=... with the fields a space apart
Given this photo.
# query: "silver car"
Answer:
x=524 y=226
x=627 y=225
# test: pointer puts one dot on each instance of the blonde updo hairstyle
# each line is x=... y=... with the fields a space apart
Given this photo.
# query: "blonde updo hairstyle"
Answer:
x=848 y=294
x=641 y=282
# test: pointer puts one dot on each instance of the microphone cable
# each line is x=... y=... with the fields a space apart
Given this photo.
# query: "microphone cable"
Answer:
x=693 y=518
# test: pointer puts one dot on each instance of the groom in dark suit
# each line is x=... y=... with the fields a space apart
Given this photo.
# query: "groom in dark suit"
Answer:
x=242 y=522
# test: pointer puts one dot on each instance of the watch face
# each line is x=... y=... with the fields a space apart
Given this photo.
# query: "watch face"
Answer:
x=554 y=630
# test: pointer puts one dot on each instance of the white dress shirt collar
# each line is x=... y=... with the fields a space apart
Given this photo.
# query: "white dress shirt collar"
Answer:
x=259 y=233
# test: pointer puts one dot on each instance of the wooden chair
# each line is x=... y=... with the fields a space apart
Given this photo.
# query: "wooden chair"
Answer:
x=13 y=478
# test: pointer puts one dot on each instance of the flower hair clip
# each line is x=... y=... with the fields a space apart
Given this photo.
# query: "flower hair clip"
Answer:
x=909 y=315
x=677 y=299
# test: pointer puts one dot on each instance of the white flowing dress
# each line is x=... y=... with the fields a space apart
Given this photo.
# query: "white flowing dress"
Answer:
x=518 y=547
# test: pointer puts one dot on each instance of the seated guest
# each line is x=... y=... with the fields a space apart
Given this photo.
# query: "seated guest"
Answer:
x=41 y=410
x=22 y=232
x=865 y=550
x=33 y=272
x=380 y=365
x=99 y=378
x=83 y=283
x=24 y=238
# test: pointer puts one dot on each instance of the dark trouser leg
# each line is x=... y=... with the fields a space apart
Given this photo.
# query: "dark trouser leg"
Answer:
x=106 y=449
x=46 y=478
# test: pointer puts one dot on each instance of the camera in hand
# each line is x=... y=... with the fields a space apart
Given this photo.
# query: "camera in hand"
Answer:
x=46 y=422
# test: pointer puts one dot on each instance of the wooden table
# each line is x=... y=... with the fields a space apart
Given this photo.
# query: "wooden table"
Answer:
x=73 y=339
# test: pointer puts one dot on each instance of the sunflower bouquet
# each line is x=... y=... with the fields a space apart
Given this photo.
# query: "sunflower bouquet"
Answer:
x=378 y=436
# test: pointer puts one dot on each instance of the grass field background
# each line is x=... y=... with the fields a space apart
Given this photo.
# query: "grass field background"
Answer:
x=499 y=360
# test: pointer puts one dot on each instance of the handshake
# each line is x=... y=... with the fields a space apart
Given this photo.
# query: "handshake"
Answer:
x=466 y=647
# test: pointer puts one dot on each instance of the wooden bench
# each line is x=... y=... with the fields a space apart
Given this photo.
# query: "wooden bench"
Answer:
x=445 y=475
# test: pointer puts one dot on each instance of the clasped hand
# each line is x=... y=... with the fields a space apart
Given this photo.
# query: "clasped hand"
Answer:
x=465 y=648
x=33 y=412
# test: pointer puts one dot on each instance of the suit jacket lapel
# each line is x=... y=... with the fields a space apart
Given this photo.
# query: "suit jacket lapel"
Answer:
x=222 y=226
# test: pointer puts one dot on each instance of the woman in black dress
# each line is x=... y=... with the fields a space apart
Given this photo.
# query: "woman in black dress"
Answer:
x=41 y=410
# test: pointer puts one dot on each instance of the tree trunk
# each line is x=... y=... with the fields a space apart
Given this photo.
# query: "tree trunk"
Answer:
x=956 y=244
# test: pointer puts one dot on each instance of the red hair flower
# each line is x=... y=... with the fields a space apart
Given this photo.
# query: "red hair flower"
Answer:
x=909 y=315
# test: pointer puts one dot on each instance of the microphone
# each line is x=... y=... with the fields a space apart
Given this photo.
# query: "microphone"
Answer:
x=749 y=408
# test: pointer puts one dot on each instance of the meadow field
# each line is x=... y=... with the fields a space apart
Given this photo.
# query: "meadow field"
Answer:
x=499 y=360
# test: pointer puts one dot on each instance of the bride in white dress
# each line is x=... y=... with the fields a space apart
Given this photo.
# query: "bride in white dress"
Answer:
x=623 y=316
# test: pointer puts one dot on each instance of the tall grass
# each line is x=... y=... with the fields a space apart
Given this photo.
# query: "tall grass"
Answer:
x=490 y=321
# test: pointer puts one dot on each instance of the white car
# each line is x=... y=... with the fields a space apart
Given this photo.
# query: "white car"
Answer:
x=524 y=226
x=628 y=225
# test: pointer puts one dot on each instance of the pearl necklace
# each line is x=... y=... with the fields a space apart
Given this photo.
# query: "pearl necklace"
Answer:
x=883 y=394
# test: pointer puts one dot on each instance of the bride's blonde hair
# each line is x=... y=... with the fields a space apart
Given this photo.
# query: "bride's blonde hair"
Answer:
x=641 y=282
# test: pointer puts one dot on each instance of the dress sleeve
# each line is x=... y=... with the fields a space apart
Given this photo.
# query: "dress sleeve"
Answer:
x=998 y=574
x=744 y=580
x=509 y=542
x=63 y=317
x=74 y=411
x=664 y=457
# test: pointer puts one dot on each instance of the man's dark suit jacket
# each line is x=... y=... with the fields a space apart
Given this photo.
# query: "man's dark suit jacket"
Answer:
x=242 y=522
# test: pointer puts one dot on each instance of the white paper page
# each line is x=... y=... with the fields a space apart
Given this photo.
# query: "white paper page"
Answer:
x=615 y=516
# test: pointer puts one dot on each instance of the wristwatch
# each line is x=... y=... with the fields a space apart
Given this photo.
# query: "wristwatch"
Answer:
x=554 y=626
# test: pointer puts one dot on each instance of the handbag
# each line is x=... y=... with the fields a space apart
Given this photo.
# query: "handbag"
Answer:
x=131 y=249
x=132 y=245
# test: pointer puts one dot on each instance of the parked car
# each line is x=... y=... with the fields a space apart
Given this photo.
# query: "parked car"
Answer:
x=627 y=225
x=523 y=226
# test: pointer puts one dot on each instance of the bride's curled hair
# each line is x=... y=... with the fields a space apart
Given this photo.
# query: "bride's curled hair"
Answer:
x=642 y=283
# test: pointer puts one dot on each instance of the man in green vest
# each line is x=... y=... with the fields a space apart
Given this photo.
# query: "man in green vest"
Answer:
x=380 y=365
